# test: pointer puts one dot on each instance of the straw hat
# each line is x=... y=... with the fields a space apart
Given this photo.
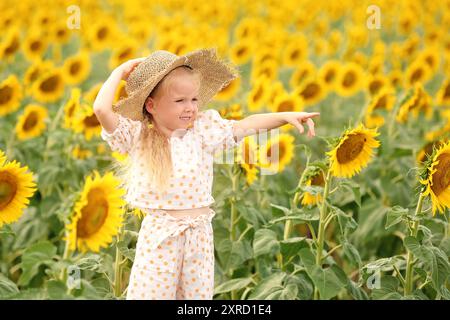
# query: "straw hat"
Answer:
x=214 y=75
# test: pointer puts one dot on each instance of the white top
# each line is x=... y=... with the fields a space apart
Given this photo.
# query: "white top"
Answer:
x=192 y=158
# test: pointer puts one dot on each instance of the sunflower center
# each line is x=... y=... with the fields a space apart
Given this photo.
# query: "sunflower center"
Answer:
x=258 y=94
x=381 y=103
x=351 y=148
x=295 y=54
x=310 y=91
x=416 y=76
x=277 y=155
x=102 y=33
x=5 y=94
x=447 y=91
x=286 y=106
x=35 y=46
x=8 y=189
x=30 y=121
x=375 y=86
x=91 y=121
x=241 y=52
x=127 y=53
x=318 y=180
x=441 y=178
x=13 y=47
x=50 y=84
x=349 y=79
x=330 y=75
x=93 y=215
x=75 y=67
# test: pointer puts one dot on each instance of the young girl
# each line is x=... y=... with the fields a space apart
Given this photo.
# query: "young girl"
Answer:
x=171 y=144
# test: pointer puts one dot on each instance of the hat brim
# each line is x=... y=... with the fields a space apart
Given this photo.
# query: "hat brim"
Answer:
x=215 y=74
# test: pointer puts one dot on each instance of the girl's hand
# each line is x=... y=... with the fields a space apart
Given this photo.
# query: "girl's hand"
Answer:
x=297 y=118
x=127 y=67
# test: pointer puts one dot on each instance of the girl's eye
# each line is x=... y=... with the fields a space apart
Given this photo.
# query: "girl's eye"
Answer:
x=179 y=100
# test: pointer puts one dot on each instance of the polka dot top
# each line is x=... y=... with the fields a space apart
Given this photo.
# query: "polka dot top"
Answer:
x=192 y=158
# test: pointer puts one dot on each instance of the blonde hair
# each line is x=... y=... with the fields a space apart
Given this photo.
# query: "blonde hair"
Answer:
x=155 y=145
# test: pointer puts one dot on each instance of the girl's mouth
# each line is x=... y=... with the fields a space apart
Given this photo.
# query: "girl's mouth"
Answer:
x=185 y=118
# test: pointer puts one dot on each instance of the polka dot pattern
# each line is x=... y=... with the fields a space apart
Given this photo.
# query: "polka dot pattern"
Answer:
x=192 y=157
x=178 y=266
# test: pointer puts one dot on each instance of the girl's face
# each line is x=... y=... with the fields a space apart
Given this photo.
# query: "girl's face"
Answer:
x=175 y=107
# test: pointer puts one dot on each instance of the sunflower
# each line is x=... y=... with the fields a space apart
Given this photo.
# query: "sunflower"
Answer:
x=288 y=103
x=71 y=107
x=437 y=182
x=60 y=32
x=33 y=72
x=16 y=187
x=311 y=92
x=277 y=89
x=98 y=214
x=267 y=69
x=277 y=153
x=86 y=121
x=259 y=94
x=416 y=73
x=315 y=180
x=79 y=153
x=430 y=56
x=241 y=51
x=121 y=93
x=34 y=46
x=229 y=91
x=328 y=74
x=32 y=122
x=233 y=112
x=377 y=82
x=265 y=54
x=101 y=34
x=91 y=94
x=350 y=79
x=443 y=95
x=126 y=51
x=303 y=72
x=396 y=78
x=10 y=95
x=10 y=44
x=295 y=51
x=76 y=68
x=353 y=151
x=49 y=87
x=427 y=150
x=417 y=101
x=384 y=100
x=247 y=157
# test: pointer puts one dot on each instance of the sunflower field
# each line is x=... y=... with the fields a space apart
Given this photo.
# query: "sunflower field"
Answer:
x=361 y=211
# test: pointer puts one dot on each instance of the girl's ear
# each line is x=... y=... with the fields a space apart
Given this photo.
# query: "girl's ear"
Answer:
x=149 y=105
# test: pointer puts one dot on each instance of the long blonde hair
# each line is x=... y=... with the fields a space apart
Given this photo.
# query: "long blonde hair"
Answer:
x=155 y=145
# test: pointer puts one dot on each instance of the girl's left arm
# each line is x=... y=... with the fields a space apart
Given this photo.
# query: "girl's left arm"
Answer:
x=255 y=122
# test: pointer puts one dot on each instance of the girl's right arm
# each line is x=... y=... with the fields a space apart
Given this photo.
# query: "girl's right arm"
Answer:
x=104 y=100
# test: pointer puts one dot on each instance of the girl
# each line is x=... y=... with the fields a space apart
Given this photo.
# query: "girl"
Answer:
x=171 y=144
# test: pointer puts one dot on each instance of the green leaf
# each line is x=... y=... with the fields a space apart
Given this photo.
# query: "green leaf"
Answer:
x=33 y=257
x=395 y=215
x=286 y=211
x=267 y=286
x=326 y=281
x=423 y=253
x=351 y=253
x=345 y=221
x=233 y=284
x=354 y=188
x=7 y=287
x=57 y=290
x=265 y=242
x=241 y=251
x=292 y=246
x=300 y=214
x=90 y=261
x=388 y=289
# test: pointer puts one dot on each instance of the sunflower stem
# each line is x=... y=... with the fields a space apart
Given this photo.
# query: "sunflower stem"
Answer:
x=51 y=128
x=409 y=260
x=118 y=269
x=321 y=233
